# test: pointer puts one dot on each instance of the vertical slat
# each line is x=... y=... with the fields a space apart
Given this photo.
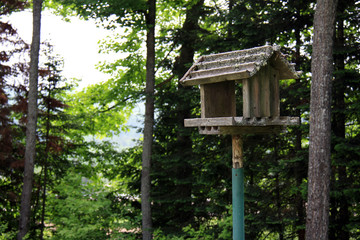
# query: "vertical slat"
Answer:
x=265 y=100
x=255 y=96
x=246 y=91
x=232 y=98
x=275 y=93
x=202 y=100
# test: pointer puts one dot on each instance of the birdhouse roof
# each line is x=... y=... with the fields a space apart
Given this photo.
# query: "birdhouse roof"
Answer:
x=237 y=65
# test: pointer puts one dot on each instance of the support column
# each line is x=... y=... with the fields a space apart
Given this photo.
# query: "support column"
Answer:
x=238 y=188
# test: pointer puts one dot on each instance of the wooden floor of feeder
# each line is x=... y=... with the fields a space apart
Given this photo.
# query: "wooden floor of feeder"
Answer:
x=240 y=125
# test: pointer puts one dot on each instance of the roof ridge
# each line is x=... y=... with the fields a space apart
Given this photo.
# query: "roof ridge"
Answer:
x=254 y=49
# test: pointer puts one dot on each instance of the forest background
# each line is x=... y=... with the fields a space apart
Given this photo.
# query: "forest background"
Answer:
x=85 y=189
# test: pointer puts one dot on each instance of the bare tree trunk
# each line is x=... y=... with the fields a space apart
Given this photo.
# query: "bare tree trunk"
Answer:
x=25 y=209
x=189 y=35
x=317 y=219
x=45 y=165
x=149 y=122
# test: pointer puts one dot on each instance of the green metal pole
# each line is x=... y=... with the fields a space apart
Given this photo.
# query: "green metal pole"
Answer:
x=238 y=203
x=238 y=189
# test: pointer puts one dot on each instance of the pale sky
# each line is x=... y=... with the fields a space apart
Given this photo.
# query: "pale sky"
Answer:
x=75 y=41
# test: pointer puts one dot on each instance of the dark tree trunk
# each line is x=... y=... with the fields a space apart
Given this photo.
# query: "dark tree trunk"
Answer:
x=279 y=208
x=188 y=38
x=317 y=219
x=149 y=122
x=25 y=209
x=339 y=205
x=45 y=165
x=300 y=168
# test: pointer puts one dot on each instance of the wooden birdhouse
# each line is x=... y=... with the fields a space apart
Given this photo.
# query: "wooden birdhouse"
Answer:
x=259 y=71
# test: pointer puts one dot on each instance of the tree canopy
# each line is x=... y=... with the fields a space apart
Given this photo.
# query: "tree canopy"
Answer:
x=88 y=188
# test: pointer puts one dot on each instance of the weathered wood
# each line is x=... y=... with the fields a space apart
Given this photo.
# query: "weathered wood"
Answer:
x=237 y=152
x=246 y=97
x=232 y=76
x=237 y=65
x=192 y=68
x=239 y=130
x=218 y=99
x=261 y=94
x=265 y=90
x=259 y=70
x=286 y=69
x=274 y=92
x=255 y=96
x=221 y=121
x=240 y=121
x=217 y=68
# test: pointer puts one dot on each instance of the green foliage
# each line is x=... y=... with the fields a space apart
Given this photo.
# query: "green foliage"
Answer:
x=96 y=117
x=191 y=177
x=80 y=208
x=99 y=198
x=127 y=13
x=5 y=234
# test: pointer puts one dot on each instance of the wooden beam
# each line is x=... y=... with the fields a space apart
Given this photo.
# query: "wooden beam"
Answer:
x=216 y=78
x=241 y=130
x=237 y=152
x=241 y=121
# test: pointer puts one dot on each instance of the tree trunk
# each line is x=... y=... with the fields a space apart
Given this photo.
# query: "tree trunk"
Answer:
x=300 y=168
x=188 y=37
x=339 y=204
x=149 y=122
x=317 y=219
x=25 y=208
x=45 y=165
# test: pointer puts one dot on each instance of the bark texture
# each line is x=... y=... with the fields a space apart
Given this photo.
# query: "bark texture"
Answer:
x=25 y=208
x=149 y=123
x=317 y=219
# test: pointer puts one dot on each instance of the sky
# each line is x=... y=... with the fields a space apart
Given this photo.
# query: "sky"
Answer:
x=77 y=43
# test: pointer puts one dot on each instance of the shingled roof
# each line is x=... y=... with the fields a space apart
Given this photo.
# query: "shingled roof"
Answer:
x=237 y=65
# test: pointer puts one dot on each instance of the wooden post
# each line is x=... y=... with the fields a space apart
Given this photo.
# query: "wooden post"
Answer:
x=238 y=188
x=237 y=151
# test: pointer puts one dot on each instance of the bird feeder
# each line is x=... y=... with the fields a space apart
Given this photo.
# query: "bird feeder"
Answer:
x=259 y=70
